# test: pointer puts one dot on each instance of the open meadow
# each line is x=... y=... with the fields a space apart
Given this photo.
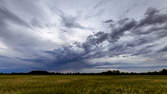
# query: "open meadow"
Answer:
x=75 y=84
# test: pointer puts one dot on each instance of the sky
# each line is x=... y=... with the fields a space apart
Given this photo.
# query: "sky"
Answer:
x=83 y=35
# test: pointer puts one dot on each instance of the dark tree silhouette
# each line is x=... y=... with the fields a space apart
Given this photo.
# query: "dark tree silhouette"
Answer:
x=110 y=72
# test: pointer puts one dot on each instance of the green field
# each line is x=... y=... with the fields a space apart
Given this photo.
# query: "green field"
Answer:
x=56 y=84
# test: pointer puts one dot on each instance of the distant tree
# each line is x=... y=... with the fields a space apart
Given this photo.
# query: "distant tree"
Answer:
x=163 y=71
x=111 y=72
x=39 y=72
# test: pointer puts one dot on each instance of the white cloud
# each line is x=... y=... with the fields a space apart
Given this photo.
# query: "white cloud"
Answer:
x=125 y=58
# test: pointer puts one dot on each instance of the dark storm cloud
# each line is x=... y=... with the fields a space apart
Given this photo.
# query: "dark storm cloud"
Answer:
x=10 y=64
x=23 y=40
x=97 y=38
x=61 y=59
x=116 y=32
x=66 y=58
x=25 y=26
x=153 y=18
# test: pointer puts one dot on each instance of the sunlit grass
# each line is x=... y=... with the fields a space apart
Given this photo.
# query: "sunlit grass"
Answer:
x=52 y=84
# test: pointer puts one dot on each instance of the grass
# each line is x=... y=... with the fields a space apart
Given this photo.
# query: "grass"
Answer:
x=57 y=84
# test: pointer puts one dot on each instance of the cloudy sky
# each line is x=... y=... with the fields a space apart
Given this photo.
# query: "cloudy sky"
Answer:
x=83 y=35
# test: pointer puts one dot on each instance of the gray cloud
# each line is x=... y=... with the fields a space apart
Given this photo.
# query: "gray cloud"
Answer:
x=31 y=32
x=5 y=14
x=101 y=3
x=70 y=22
x=143 y=37
x=65 y=58
x=153 y=17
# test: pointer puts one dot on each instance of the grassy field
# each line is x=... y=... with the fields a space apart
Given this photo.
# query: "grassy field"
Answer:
x=52 y=84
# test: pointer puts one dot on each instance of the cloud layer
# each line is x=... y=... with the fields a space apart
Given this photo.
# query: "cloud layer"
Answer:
x=82 y=36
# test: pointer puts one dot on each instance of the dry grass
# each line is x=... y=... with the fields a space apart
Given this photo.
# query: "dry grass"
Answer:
x=33 y=84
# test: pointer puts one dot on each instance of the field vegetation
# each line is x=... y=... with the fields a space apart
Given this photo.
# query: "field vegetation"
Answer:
x=83 y=84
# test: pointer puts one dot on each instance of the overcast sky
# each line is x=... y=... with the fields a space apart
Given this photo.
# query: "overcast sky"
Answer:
x=83 y=35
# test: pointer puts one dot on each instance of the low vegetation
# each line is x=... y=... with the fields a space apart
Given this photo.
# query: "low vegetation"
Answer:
x=83 y=84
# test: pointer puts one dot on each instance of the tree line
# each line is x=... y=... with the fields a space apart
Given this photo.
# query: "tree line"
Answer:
x=110 y=72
